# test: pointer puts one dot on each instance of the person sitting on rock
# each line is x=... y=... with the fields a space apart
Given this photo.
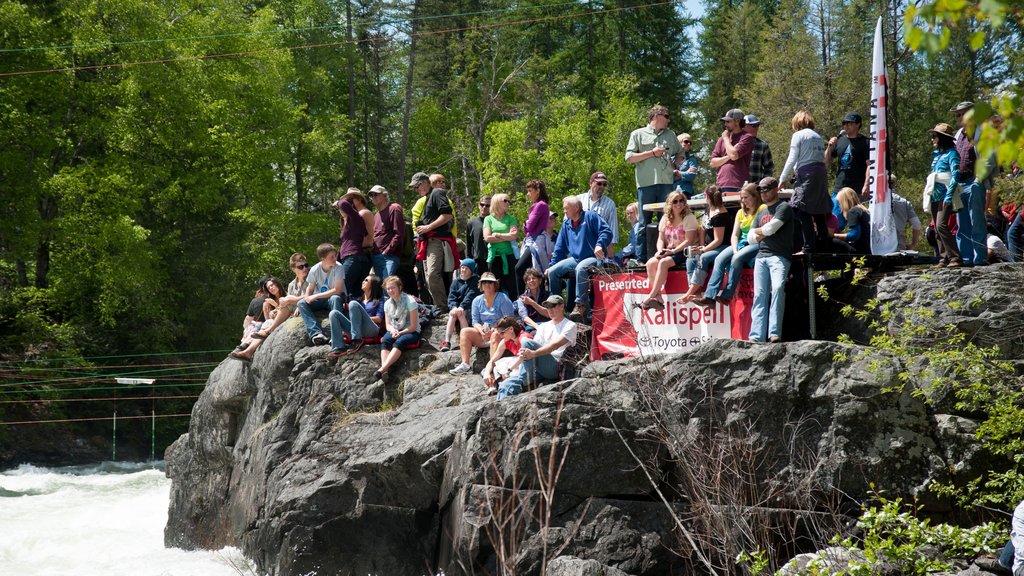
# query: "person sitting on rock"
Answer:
x=326 y=289
x=465 y=288
x=295 y=292
x=274 y=293
x=488 y=308
x=584 y=241
x=254 y=313
x=402 y=325
x=541 y=355
x=505 y=355
x=531 y=313
x=365 y=317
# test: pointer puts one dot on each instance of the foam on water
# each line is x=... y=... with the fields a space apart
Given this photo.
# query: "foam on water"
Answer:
x=98 y=520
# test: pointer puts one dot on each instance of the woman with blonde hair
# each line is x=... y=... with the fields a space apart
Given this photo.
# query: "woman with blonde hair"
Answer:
x=738 y=254
x=858 y=222
x=677 y=231
x=811 y=199
x=500 y=233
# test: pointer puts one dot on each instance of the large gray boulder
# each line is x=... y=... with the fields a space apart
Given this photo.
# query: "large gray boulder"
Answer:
x=644 y=466
x=986 y=303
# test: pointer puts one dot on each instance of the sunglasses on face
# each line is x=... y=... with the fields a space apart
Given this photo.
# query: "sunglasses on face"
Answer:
x=676 y=201
x=600 y=184
x=484 y=204
x=762 y=189
x=687 y=141
x=302 y=266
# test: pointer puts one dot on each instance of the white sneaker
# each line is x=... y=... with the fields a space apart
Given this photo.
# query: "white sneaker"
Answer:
x=462 y=368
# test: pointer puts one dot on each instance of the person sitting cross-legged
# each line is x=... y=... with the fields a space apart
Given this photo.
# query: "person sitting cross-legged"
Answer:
x=401 y=323
x=540 y=356
x=583 y=241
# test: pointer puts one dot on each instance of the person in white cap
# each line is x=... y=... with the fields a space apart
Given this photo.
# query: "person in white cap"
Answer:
x=388 y=233
x=761 y=163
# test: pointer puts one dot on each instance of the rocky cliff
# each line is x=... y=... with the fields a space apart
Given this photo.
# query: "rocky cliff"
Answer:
x=650 y=466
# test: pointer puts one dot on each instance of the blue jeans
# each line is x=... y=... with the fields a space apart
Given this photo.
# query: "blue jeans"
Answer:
x=308 y=312
x=648 y=195
x=556 y=271
x=970 y=220
x=530 y=371
x=1006 y=556
x=403 y=342
x=697 y=270
x=1015 y=239
x=769 y=282
x=384 y=265
x=360 y=325
x=735 y=264
x=356 y=268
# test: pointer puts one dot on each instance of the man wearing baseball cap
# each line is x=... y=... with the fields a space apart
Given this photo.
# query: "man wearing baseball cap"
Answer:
x=652 y=150
x=970 y=220
x=437 y=251
x=595 y=200
x=541 y=355
x=773 y=229
x=388 y=233
x=732 y=153
x=851 y=149
x=761 y=163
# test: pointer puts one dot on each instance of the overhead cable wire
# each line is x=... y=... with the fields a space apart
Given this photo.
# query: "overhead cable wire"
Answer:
x=126 y=398
x=262 y=51
x=130 y=374
x=98 y=419
x=364 y=22
x=146 y=355
x=92 y=388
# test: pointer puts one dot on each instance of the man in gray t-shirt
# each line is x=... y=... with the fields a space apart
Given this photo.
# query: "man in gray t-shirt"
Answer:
x=325 y=290
x=903 y=213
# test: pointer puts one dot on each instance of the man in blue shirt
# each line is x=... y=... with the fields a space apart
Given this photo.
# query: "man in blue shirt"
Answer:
x=583 y=241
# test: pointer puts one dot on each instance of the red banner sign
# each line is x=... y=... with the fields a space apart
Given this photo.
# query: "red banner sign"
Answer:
x=622 y=328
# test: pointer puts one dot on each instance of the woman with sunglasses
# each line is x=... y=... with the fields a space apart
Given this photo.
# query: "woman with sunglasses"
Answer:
x=365 y=317
x=677 y=231
x=500 y=231
x=487 y=309
x=686 y=167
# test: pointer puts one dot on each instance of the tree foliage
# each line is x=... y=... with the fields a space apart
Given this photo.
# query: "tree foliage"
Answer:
x=161 y=157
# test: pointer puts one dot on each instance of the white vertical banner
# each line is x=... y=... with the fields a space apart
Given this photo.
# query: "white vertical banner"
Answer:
x=883 y=231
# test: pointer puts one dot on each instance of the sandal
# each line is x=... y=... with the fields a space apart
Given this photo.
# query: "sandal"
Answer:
x=258 y=335
x=653 y=304
x=240 y=356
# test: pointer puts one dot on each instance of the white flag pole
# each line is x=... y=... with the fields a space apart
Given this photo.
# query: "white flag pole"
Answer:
x=883 y=231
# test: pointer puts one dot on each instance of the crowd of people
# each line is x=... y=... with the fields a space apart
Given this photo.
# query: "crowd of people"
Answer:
x=518 y=289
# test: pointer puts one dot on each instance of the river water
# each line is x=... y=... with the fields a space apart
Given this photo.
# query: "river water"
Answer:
x=104 y=520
